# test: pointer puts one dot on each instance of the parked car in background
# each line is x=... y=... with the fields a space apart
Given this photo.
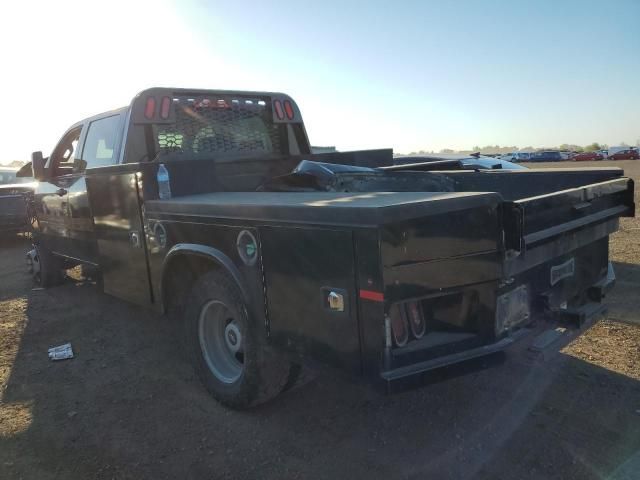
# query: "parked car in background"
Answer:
x=8 y=176
x=629 y=154
x=522 y=157
x=548 y=156
x=15 y=193
x=588 y=156
x=510 y=157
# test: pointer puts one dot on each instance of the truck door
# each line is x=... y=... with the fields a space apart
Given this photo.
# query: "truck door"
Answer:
x=51 y=196
x=99 y=149
x=114 y=198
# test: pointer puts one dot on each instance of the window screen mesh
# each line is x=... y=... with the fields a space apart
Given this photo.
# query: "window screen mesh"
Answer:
x=207 y=126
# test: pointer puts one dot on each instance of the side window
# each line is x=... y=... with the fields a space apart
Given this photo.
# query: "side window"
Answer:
x=63 y=156
x=100 y=145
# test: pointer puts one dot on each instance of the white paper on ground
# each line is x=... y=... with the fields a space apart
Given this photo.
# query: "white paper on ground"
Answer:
x=61 y=352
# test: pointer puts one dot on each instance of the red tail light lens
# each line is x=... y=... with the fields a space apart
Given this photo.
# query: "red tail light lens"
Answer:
x=399 y=327
x=165 y=107
x=288 y=108
x=150 y=108
x=277 y=107
x=416 y=319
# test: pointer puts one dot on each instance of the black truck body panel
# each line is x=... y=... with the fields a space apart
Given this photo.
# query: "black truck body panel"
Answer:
x=298 y=268
x=475 y=253
x=319 y=208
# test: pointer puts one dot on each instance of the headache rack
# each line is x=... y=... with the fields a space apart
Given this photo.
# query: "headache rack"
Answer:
x=190 y=124
x=205 y=126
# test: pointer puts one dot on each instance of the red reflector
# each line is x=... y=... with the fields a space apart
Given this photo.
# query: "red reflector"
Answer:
x=288 y=108
x=277 y=106
x=416 y=319
x=371 y=295
x=399 y=327
x=150 y=108
x=165 y=107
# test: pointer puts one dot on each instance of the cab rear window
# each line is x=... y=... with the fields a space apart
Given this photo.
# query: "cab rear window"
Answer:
x=207 y=127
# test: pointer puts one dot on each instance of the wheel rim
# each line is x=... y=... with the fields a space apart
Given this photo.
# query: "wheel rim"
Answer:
x=221 y=341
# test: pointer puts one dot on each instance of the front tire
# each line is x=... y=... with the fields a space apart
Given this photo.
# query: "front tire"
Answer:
x=228 y=347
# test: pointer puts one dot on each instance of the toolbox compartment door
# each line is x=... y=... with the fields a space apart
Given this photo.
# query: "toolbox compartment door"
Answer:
x=536 y=221
x=302 y=267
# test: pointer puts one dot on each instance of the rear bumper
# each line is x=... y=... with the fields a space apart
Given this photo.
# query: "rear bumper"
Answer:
x=416 y=369
x=571 y=316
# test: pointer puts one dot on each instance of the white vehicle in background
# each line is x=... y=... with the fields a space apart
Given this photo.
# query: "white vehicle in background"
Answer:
x=521 y=157
x=509 y=157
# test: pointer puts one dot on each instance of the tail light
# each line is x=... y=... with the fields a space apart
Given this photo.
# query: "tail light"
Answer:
x=165 y=107
x=277 y=106
x=288 y=108
x=416 y=319
x=150 y=108
x=399 y=327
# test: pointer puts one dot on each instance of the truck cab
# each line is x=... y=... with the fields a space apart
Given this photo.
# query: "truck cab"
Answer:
x=95 y=148
x=65 y=221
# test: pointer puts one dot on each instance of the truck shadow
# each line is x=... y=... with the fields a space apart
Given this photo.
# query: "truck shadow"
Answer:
x=129 y=406
x=622 y=301
x=15 y=246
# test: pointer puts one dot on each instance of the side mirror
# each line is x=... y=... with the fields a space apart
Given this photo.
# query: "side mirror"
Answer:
x=38 y=166
x=79 y=165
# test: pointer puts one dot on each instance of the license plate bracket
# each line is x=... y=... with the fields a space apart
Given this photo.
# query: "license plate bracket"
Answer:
x=564 y=270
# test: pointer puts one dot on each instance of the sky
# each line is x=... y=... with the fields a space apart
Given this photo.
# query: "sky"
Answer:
x=411 y=75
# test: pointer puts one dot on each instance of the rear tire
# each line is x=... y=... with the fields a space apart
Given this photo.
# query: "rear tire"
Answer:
x=47 y=268
x=228 y=347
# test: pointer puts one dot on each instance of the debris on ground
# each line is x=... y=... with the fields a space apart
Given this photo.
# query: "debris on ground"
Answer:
x=62 y=352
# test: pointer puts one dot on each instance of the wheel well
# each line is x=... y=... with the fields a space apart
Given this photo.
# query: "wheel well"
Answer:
x=180 y=275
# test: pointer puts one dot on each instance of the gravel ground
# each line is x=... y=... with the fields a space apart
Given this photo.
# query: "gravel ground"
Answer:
x=129 y=406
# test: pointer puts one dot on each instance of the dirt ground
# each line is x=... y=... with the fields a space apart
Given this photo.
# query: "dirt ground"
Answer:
x=129 y=406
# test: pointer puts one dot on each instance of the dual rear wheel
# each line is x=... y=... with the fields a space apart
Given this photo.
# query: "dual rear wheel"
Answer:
x=228 y=349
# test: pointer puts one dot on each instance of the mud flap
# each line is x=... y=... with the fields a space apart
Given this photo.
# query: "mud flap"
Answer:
x=579 y=315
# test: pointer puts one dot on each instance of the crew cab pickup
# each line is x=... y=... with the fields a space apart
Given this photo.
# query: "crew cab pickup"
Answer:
x=209 y=206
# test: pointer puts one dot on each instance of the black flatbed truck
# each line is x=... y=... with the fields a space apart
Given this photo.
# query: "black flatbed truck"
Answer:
x=269 y=255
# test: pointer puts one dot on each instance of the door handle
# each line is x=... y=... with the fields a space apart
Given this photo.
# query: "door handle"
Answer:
x=61 y=192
